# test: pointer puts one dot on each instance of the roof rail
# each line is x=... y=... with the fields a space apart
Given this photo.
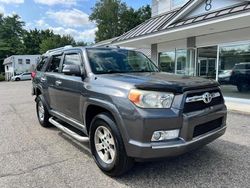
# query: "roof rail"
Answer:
x=112 y=46
x=59 y=49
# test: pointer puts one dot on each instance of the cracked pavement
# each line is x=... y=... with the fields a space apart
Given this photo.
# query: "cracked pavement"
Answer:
x=32 y=156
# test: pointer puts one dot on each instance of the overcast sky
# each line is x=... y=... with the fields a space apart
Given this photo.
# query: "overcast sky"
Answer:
x=61 y=16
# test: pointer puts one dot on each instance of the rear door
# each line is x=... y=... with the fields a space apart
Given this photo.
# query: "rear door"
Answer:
x=50 y=77
x=71 y=87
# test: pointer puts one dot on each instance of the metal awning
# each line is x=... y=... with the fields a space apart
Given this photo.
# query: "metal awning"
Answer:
x=161 y=23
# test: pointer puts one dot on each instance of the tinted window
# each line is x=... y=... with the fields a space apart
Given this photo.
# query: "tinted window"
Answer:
x=27 y=74
x=54 y=64
x=240 y=66
x=41 y=63
x=103 y=61
x=72 y=59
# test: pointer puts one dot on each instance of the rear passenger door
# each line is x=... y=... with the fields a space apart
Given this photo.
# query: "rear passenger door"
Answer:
x=71 y=87
x=50 y=77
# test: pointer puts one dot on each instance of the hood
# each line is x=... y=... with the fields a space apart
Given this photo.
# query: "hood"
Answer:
x=159 y=81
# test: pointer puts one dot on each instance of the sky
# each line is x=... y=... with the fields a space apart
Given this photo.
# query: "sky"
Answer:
x=61 y=16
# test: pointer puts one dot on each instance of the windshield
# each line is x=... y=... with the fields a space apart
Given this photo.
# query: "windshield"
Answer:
x=105 y=61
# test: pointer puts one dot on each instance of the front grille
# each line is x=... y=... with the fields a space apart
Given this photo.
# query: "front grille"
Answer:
x=200 y=105
x=207 y=127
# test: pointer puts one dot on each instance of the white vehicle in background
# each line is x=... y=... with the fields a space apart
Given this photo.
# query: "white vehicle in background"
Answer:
x=23 y=76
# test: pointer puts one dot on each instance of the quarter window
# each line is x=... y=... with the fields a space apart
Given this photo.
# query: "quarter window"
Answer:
x=55 y=63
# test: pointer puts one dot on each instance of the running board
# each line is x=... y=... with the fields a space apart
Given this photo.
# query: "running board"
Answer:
x=68 y=131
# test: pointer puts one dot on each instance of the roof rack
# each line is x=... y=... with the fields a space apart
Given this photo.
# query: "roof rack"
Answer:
x=112 y=46
x=59 y=49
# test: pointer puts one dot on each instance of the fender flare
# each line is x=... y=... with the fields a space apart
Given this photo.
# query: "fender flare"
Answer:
x=113 y=110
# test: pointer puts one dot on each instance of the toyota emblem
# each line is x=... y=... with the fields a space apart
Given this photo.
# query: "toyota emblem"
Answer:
x=207 y=97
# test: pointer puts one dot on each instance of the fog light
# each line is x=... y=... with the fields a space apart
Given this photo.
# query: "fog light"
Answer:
x=165 y=135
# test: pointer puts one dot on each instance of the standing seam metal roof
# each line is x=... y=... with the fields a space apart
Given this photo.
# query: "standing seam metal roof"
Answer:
x=160 y=23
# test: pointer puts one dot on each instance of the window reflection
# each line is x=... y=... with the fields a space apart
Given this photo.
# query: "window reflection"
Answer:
x=167 y=61
x=234 y=70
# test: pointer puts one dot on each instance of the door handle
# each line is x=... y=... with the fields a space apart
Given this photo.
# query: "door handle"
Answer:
x=43 y=79
x=58 y=82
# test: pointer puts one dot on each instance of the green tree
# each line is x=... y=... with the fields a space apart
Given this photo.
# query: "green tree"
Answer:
x=56 y=41
x=113 y=18
x=11 y=35
x=32 y=40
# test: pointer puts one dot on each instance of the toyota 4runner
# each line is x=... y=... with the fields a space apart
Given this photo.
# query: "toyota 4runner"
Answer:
x=127 y=109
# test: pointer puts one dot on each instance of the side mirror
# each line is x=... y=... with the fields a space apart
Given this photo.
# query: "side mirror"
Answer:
x=72 y=70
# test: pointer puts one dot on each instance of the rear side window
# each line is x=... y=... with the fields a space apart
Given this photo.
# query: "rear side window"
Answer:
x=41 y=63
x=26 y=74
x=54 y=64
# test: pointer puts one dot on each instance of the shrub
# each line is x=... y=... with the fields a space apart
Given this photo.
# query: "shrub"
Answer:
x=2 y=78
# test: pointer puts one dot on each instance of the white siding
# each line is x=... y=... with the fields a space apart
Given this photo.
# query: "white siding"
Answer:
x=223 y=37
x=172 y=45
x=20 y=68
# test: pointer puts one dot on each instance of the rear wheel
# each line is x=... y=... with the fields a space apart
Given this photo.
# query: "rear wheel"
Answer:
x=42 y=113
x=107 y=146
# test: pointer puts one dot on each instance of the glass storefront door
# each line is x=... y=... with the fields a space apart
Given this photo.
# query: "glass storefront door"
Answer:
x=206 y=62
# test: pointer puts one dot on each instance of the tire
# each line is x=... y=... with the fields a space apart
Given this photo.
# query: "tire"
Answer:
x=120 y=163
x=242 y=87
x=43 y=119
x=18 y=79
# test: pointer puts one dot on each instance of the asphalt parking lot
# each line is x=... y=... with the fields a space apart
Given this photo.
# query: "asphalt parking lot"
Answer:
x=32 y=156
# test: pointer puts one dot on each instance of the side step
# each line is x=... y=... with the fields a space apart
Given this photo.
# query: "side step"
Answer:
x=68 y=131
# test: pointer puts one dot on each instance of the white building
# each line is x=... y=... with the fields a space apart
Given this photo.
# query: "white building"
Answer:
x=18 y=64
x=203 y=38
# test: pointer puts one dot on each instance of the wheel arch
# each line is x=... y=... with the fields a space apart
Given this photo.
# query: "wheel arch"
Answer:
x=95 y=107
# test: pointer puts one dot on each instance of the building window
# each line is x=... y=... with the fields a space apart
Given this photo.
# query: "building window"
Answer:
x=234 y=70
x=20 y=61
x=177 y=3
x=7 y=68
x=178 y=61
x=167 y=61
x=185 y=62
x=27 y=61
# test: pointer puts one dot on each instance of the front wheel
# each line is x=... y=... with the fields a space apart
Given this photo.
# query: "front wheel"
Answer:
x=107 y=146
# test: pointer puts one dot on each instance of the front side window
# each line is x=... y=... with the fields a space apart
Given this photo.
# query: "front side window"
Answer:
x=54 y=64
x=72 y=59
x=104 y=61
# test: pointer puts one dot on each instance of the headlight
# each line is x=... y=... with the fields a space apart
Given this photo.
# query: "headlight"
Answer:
x=151 y=99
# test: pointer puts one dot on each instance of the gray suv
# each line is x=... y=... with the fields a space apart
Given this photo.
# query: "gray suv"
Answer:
x=127 y=109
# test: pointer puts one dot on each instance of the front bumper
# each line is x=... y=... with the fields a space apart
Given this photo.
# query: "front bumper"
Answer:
x=186 y=142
